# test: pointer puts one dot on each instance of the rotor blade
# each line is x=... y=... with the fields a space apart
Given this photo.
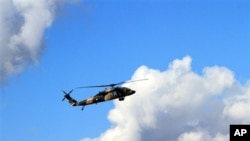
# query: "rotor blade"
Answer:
x=64 y=92
x=107 y=85
x=127 y=82
x=93 y=86
x=136 y=80
x=68 y=92
x=112 y=85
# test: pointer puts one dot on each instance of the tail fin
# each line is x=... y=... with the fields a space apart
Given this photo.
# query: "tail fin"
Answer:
x=67 y=96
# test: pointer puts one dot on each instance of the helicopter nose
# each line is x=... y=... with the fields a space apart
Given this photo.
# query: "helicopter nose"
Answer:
x=132 y=91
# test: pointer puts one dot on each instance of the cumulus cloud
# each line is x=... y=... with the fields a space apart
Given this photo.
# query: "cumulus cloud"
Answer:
x=22 y=25
x=179 y=105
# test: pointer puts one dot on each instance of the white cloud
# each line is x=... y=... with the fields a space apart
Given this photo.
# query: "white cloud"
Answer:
x=193 y=136
x=237 y=107
x=22 y=25
x=202 y=136
x=178 y=105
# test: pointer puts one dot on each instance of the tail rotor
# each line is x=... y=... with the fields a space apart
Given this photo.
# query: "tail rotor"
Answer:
x=66 y=95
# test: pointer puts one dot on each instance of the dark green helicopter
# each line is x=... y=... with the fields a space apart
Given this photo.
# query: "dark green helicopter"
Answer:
x=111 y=92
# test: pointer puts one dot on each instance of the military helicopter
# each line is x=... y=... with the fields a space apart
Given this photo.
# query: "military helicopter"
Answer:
x=111 y=92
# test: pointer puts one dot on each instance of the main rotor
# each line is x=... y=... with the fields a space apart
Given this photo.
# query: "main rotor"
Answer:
x=112 y=85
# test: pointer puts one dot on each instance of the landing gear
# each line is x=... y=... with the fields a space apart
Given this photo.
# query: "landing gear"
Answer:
x=121 y=98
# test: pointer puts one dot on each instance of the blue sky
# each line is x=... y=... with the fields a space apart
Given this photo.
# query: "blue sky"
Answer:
x=98 y=42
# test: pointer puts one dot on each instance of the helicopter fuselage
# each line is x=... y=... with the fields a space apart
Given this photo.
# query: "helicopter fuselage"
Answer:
x=106 y=95
x=109 y=93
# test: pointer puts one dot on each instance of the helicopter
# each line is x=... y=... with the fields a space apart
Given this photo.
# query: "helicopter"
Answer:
x=111 y=92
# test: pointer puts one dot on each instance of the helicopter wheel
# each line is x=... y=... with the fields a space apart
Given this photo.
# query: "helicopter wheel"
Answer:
x=121 y=98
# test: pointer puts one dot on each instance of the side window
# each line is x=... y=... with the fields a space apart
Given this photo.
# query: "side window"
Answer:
x=114 y=94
